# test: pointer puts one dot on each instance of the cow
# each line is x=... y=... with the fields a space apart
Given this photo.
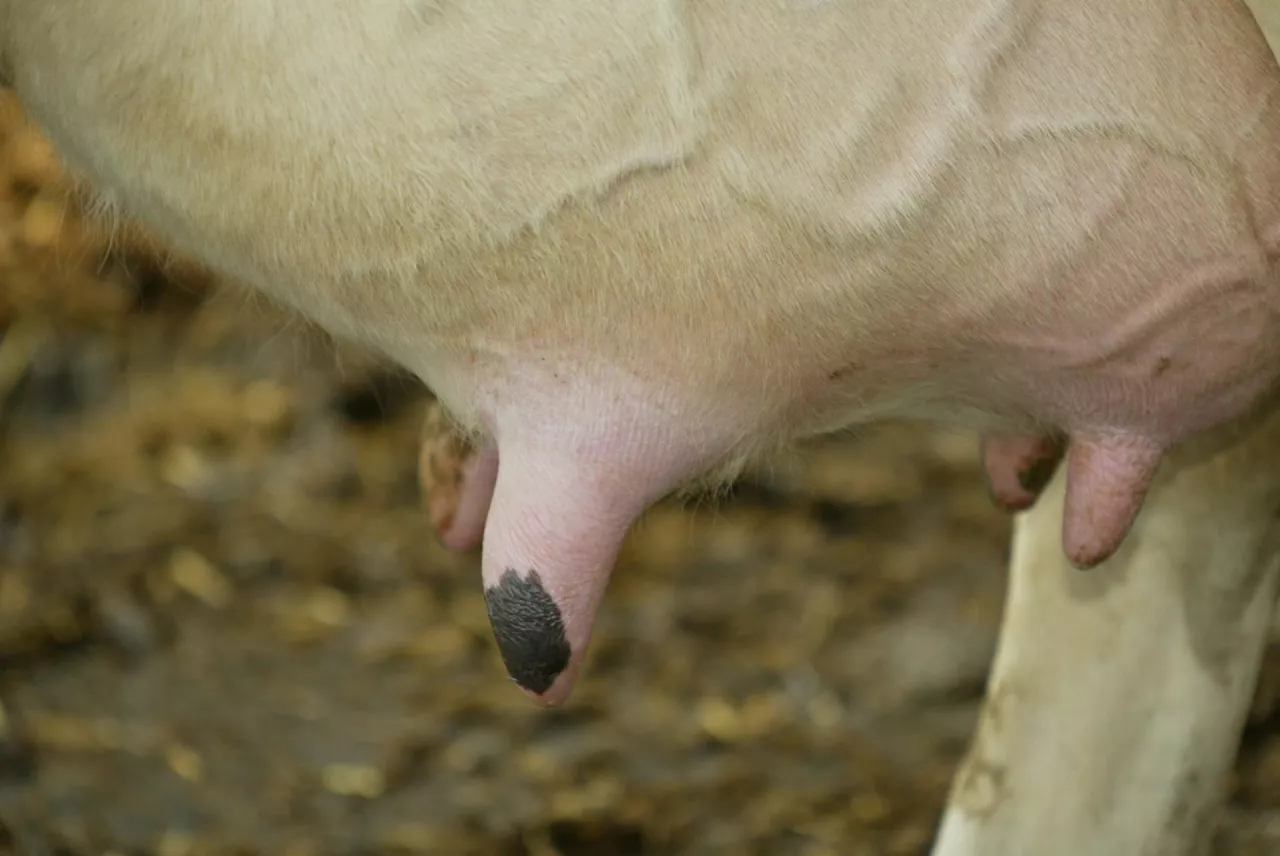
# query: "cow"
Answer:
x=634 y=246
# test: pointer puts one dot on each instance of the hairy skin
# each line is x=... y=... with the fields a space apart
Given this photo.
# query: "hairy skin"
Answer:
x=634 y=243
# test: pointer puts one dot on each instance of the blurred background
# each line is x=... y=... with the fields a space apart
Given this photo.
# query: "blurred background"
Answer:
x=225 y=627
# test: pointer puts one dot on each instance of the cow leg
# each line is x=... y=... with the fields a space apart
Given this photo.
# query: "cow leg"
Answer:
x=1118 y=695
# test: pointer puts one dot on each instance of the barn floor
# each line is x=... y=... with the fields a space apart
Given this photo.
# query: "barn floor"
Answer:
x=225 y=628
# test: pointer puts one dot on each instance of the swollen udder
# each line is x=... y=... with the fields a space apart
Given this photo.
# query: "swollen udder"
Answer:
x=552 y=495
x=553 y=507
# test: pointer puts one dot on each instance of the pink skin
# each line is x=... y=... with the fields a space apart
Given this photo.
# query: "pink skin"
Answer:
x=541 y=515
x=1107 y=481
x=1018 y=467
x=575 y=457
x=527 y=508
x=480 y=474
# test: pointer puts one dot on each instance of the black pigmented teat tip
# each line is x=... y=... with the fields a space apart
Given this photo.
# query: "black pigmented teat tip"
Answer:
x=529 y=629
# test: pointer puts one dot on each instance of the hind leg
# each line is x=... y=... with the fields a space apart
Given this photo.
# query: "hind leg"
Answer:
x=1118 y=695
